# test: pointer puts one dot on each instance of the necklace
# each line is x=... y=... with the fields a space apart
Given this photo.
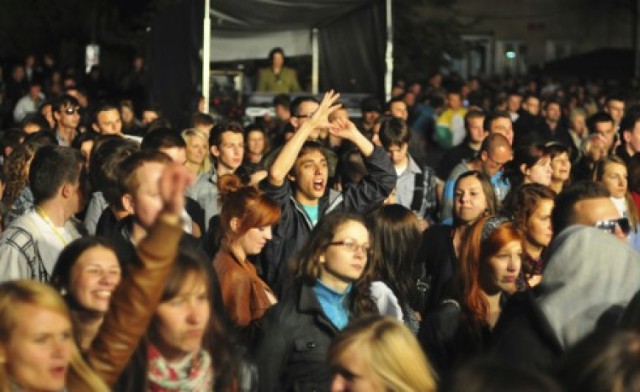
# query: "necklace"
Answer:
x=53 y=227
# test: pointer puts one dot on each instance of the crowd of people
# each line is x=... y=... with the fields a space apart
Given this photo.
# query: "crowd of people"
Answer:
x=461 y=236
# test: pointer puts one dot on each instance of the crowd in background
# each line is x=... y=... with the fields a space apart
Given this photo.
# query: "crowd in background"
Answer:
x=463 y=235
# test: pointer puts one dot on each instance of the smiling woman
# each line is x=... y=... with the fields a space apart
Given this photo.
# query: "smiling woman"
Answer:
x=86 y=274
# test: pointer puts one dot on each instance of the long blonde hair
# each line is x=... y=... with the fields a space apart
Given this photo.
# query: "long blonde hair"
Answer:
x=389 y=350
x=26 y=292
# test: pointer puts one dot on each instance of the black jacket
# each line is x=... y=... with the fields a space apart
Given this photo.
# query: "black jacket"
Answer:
x=440 y=263
x=523 y=336
x=292 y=344
x=294 y=227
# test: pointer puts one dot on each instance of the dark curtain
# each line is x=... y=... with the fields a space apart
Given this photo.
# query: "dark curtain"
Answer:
x=352 y=38
x=352 y=51
x=174 y=60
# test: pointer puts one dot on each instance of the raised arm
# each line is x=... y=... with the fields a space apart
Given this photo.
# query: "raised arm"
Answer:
x=287 y=157
x=345 y=129
x=138 y=295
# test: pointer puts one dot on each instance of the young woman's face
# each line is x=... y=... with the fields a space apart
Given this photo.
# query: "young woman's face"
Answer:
x=351 y=374
x=539 y=173
x=504 y=267
x=196 y=150
x=94 y=277
x=255 y=239
x=345 y=258
x=561 y=166
x=615 y=179
x=181 y=322
x=37 y=355
x=469 y=200
x=539 y=230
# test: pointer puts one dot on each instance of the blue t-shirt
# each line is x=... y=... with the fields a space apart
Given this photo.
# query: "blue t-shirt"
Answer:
x=312 y=213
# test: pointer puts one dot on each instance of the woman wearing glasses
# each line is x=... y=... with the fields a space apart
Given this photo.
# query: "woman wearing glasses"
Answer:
x=612 y=173
x=332 y=285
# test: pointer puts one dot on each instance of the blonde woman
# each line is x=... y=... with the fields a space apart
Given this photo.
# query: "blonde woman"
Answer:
x=197 y=151
x=37 y=349
x=379 y=354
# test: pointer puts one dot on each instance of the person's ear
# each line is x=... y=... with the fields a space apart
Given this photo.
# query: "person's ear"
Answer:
x=215 y=151
x=524 y=170
x=484 y=156
x=66 y=190
x=294 y=121
x=128 y=203
x=234 y=224
x=94 y=126
x=56 y=116
x=626 y=135
x=322 y=259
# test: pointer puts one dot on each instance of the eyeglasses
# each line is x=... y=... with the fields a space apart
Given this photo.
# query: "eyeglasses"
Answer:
x=610 y=225
x=71 y=111
x=353 y=246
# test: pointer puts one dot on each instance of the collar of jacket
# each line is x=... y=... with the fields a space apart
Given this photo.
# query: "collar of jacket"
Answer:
x=308 y=303
x=326 y=204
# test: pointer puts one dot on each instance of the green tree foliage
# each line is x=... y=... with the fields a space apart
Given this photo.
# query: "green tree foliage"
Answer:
x=421 y=45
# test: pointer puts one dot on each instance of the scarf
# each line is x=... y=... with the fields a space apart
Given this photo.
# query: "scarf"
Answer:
x=193 y=373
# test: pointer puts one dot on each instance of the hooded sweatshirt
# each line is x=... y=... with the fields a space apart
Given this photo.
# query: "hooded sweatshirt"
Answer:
x=589 y=274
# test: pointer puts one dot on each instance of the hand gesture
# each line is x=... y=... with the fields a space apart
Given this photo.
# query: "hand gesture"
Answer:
x=320 y=118
x=174 y=181
x=344 y=129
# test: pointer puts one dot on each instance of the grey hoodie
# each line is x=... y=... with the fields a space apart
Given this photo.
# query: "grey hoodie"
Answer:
x=589 y=272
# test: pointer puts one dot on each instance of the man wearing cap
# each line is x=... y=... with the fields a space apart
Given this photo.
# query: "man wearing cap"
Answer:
x=297 y=181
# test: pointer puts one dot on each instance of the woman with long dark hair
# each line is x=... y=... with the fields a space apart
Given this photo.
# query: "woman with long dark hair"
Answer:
x=396 y=231
x=332 y=285
x=186 y=348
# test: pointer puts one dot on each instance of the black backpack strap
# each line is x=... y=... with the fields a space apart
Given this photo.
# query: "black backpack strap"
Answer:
x=418 y=191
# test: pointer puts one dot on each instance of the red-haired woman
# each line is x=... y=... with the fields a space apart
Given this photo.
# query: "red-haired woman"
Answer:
x=460 y=327
x=246 y=219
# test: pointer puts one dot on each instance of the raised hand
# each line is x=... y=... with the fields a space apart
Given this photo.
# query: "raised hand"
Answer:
x=174 y=181
x=344 y=129
x=320 y=117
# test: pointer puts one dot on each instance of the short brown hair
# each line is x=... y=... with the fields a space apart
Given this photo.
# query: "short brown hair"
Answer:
x=128 y=181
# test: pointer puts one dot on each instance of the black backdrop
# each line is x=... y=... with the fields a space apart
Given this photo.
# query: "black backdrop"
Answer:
x=352 y=37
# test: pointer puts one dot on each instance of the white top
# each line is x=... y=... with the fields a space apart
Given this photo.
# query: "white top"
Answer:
x=386 y=300
x=49 y=242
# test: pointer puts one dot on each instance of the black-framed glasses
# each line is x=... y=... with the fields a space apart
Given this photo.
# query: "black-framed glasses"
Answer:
x=71 y=111
x=352 y=245
x=609 y=225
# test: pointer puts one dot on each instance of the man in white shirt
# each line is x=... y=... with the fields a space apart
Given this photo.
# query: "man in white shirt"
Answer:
x=30 y=246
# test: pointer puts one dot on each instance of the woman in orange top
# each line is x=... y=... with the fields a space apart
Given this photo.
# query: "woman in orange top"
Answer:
x=245 y=219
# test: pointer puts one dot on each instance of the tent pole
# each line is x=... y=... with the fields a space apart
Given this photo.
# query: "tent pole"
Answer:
x=388 y=78
x=206 y=55
x=315 y=61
